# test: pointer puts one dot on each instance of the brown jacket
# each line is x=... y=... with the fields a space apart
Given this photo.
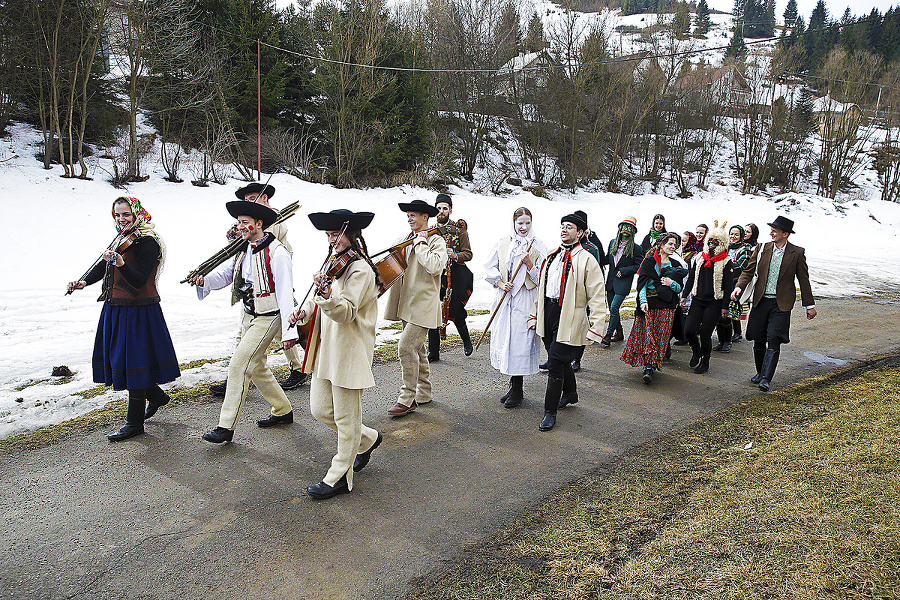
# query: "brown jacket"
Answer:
x=793 y=265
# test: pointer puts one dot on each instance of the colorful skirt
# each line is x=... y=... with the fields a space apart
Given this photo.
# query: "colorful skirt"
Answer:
x=649 y=338
x=133 y=349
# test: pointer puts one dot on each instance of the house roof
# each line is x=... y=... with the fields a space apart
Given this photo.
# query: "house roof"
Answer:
x=523 y=61
x=828 y=104
x=703 y=76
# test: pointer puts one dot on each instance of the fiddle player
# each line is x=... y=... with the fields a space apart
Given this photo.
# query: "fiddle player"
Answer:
x=456 y=276
x=133 y=349
x=259 y=193
x=344 y=310
x=571 y=284
x=260 y=275
x=415 y=303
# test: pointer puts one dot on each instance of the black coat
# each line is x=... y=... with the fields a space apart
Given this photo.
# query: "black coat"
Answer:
x=665 y=297
x=628 y=266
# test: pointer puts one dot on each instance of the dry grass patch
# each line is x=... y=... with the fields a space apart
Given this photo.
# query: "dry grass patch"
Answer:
x=810 y=510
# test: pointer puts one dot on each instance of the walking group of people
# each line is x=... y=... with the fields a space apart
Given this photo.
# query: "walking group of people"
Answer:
x=555 y=297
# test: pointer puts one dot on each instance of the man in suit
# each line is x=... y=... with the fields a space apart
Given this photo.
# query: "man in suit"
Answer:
x=415 y=302
x=570 y=289
x=776 y=265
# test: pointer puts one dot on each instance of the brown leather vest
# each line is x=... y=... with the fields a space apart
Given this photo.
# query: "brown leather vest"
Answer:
x=120 y=292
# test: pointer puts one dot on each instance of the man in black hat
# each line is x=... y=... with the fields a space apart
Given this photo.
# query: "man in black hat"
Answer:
x=261 y=276
x=568 y=313
x=259 y=193
x=592 y=244
x=776 y=265
x=415 y=302
x=457 y=274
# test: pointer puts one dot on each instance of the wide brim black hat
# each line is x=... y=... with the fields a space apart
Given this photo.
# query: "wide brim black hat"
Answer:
x=782 y=223
x=253 y=210
x=255 y=188
x=419 y=206
x=334 y=220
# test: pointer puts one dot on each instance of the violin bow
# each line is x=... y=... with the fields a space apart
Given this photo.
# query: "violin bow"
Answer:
x=324 y=262
x=503 y=297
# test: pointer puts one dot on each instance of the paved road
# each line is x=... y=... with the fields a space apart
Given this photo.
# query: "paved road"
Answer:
x=169 y=516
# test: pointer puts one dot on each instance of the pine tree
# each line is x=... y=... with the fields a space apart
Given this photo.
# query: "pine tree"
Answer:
x=790 y=13
x=534 y=38
x=681 y=24
x=702 y=22
x=769 y=26
x=819 y=16
x=736 y=47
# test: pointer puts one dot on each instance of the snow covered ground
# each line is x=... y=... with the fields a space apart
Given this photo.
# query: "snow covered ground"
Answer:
x=62 y=225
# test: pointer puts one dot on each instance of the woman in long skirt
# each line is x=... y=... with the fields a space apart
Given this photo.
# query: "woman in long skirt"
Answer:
x=133 y=349
x=659 y=282
x=515 y=349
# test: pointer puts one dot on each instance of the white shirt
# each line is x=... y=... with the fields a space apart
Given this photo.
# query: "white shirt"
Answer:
x=555 y=274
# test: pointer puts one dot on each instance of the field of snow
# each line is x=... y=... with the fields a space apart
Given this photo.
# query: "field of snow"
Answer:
x=63 y=225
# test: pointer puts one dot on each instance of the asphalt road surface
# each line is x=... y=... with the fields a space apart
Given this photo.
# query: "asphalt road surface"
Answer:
x=169 y=516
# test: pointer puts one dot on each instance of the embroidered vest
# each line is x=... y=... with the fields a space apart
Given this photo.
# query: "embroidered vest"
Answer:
x=264 y=301
x=120 y=292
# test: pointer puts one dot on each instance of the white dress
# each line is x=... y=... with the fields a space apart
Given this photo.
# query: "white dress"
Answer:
x=515 y=349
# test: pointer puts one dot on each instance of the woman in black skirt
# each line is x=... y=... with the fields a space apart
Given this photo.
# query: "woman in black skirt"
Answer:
x=133 y=350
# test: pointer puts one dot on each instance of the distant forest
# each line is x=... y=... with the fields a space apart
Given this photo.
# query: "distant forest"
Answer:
x=446 y=99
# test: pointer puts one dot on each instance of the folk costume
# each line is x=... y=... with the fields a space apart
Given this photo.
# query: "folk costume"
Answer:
x=415 y=302
x=729 y=330
x=515 y=349
x=133 y=349
x=710 y=283
x=624 y=257
x=774 y=296
x=460 y=280
x=594 y=246
x=648 y=340
x=571 y=283
x=296 y=377
x=261 y=277
x=340 y=351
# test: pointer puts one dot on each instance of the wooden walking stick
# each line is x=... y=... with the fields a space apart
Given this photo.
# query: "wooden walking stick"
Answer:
x=503 y=297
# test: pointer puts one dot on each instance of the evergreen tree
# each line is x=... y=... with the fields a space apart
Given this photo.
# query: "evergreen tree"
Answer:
x=736 y=47
x=790 y=13
x=770 y=19
x=738 y=10
x=819 y=16
x=681 y=24
x=534 y=39
x=702 y=22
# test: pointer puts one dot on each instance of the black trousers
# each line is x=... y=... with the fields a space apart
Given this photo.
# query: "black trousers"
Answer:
x=701 y=321
x=559 y=355
x=768 y=325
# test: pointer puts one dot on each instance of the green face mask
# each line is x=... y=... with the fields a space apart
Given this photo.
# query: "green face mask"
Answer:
x=626 y=235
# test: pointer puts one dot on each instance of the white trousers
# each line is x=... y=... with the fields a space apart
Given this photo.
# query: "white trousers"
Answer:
x=340 y=409
x=248 y=365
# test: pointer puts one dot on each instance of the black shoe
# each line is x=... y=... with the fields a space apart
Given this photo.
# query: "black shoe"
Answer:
x=218 y=389
x=737 y=337
x=219 y=435
x=544 y=366
x=516 y=393
x=756 y=379
x=576 y=365
x=648 y=375
x=155 y=398
x=569 y=394
x=718 y=347
x=668 y=352
x=703 y=367
x=468 y=349
x=764 y=385
x=362 y=459
x=272 y=420
x=726 y=347
x=695 y=359
x=128 y=431
x=323 y=491
x=680 y=343
x=433 y=357
x=548 y=422
x=294 y=380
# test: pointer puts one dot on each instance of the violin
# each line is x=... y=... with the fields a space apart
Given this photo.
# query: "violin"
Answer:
x=334 y=266
x=119 y=244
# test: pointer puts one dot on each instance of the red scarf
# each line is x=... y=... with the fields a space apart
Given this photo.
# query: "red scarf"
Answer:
x=658 y=259
x=711 y=259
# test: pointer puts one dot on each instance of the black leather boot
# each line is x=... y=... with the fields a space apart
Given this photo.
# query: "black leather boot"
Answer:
x=569 y=388
x=463 y=330
x=434 y=345
x=694 y=341
x=551 y=402
x=770 y=361
x=155 y=398
x=703 y=366
x=724 y=334
x=134 y=420
x=506 y=396
x=759 y=354
x=516 y=393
